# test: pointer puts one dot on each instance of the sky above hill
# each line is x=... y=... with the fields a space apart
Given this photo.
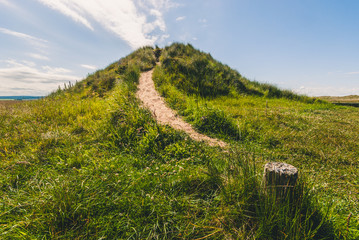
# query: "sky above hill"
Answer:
x=308 y=46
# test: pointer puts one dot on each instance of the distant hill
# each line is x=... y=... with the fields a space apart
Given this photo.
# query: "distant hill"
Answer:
x=351 y=100
x=344 y=99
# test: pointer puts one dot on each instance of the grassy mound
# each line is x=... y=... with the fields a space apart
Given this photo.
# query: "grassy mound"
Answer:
x=88 y=162
x=196 y=72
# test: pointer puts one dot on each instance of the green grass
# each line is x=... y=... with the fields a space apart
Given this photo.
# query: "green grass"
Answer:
x=317 y=137
x=88 y=162
x=196 y=72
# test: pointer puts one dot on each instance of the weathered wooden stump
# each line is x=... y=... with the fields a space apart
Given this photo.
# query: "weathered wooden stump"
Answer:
x=279 y=178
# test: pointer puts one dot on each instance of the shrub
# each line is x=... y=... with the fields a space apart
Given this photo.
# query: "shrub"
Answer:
x=198 y=73
x=143 y=58
x=209 y=120
x=157 y=53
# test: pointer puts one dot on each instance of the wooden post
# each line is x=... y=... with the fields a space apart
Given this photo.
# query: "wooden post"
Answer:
x=279 y=178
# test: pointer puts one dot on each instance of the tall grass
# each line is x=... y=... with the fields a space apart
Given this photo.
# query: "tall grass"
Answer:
x=196 y=72
x=279 y=126
x=83 y=165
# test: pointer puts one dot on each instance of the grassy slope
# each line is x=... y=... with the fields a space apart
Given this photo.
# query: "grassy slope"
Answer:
x=319 y=138
x=88 y=163
x=77 y=166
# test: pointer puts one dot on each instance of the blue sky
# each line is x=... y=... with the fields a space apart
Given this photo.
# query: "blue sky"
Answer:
x=308 y=46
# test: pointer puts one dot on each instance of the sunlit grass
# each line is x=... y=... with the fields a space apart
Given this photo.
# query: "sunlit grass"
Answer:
x=88 y=162
x=317 y=137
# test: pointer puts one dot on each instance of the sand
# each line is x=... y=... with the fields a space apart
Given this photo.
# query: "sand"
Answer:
x=152 y=100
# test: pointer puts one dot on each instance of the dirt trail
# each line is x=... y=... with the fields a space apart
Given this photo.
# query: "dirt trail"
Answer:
x=165 y=115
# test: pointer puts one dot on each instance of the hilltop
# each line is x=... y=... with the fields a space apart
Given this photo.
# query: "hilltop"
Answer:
x=90 y=162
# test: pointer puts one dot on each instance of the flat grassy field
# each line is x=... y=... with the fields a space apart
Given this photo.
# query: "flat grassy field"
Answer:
x=352 y=100
x=345 y=99
x=320 y=139
x=7 y=103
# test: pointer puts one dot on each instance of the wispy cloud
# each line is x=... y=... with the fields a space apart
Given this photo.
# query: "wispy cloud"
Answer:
x=163 y=38
x=70 y=9
x=180 y=18
x=7 y=3
x=126 y=18
x=203 y=22
x=327 y=91
x=38 y=56
x=343 y=73
x=352 y=73
x=38 y=42
x=53 y=71
x=30 y=79
x=90 y=67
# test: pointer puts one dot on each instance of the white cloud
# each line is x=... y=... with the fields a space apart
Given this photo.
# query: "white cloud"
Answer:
x=180 y=18
x=352 y=73
x=90 y=67
x=26 y=78
x=14 y=63
x=334 y=72
x=7 y=3
x=203 y=22
x=38 y=42
x=164 y=37
x=126 y=18
x=327 y=91
x=69 y=9
x=38 y=56
x=57 y=70
x=157 y=4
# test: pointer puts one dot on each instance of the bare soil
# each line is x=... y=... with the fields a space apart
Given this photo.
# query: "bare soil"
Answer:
x=163 y=114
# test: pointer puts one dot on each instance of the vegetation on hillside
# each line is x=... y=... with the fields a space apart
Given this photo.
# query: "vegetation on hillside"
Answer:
x=88 y=162
x=103 y=81
x=311 y=134
x=196 y=72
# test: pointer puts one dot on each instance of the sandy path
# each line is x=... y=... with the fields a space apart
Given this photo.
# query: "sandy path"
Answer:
x=165 y=115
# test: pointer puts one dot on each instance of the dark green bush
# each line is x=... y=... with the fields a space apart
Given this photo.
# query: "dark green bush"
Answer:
x=196 y=72
x=144 y=58
x=214 y=121
x=131 y=77
x=157 y=53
